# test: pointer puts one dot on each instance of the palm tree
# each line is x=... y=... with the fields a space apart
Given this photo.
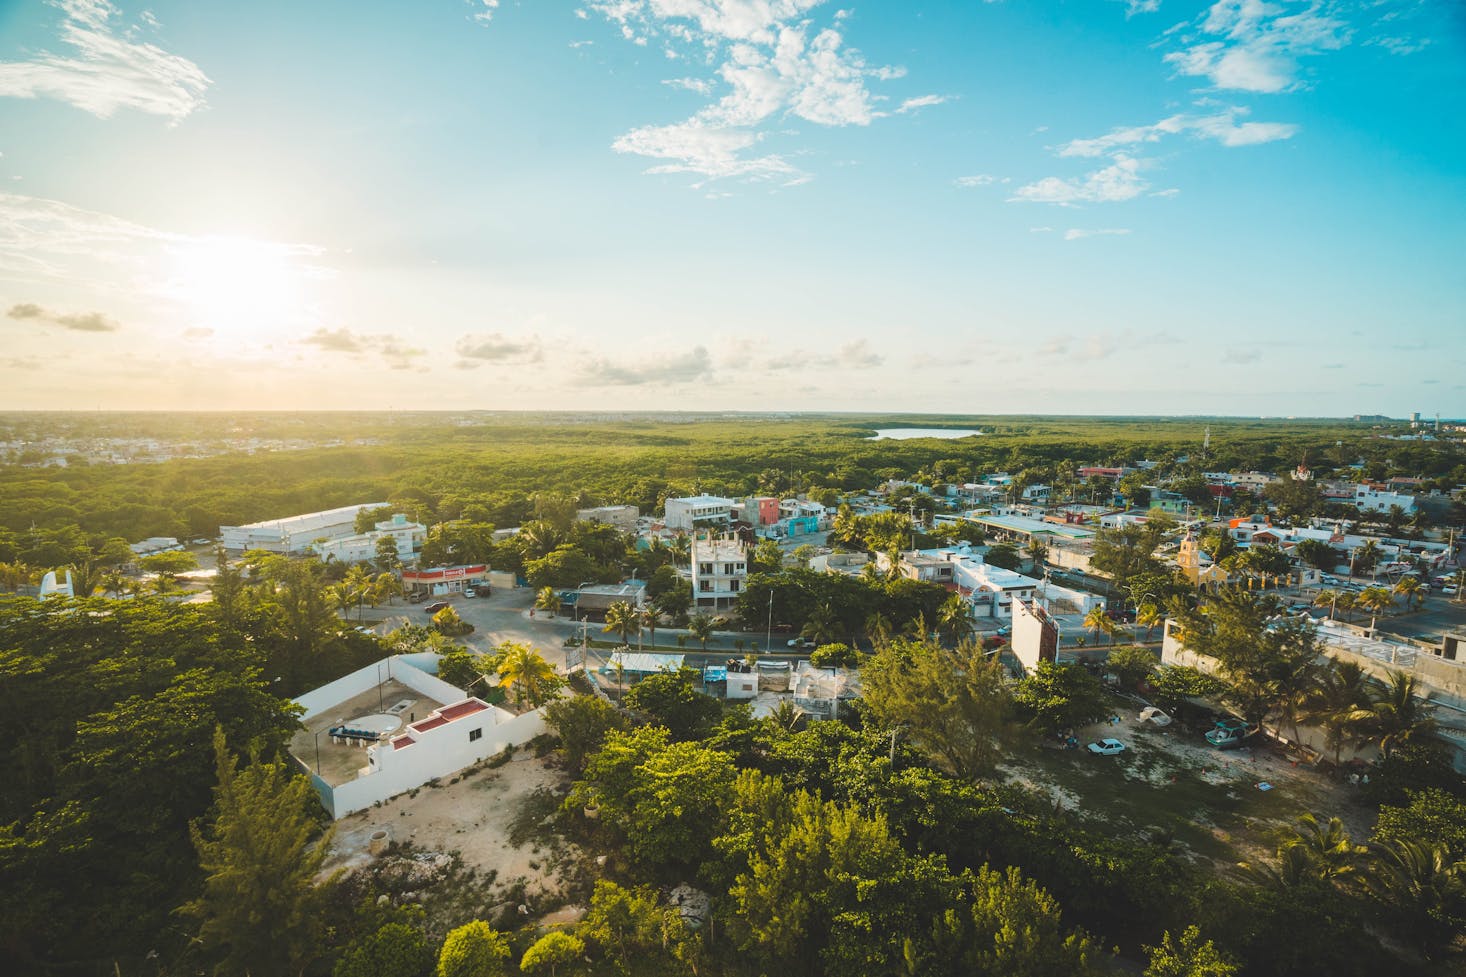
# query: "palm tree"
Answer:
x=1097 y=620
x=537 y=539
x=681 y=547
x=526 y=672
x=357 y=587
x=954 y=619
x=385 y=587
x=1410 y=589
x=622 y=617
x=1423 y=888
x=1294 y=868
x=1376 y=600
x=1399 y=715
x=877 y=627
x=548 y=600
x=16 y=574
x=1365 y=558
x=822 y=626
x=1346 y=602
x=1329 y=597
x=1038 y=552
x=649 y=620
x=1340 y=703
x=1149 y=617
x=114 y=582
x=701 y=628
x=1328 y=846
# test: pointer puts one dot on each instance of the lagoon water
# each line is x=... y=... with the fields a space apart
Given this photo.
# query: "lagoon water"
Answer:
x=907 y=433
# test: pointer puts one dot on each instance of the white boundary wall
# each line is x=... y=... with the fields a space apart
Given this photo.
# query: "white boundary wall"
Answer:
x=407 y=669
x=434 y=756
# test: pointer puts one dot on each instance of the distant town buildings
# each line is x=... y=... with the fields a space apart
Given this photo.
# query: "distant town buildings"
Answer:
x=295 y=534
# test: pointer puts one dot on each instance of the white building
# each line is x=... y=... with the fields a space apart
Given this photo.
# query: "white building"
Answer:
x=623 y=517
x=699 y=511
x=719 y=572
x=295 y=534
x=1367 y=499
x=993 y=589
x=458 y=732
x=409 y=537
x=155 y=544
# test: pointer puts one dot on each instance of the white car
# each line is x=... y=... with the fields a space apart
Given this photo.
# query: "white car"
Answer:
x=1107 y=747
x=469 y=592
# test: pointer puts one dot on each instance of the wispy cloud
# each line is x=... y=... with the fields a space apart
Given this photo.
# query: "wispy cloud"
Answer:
x=1075 y=233
x=397 y=354
x=858 y=355
x=975 y=180
x=1241 y=356
x=1252 y=46
x=1222 y=127
x=685 y=368
x=1133 y=7
x=920 y=102
x=77 y=322
x=486 y=10
x=772 y=63
x=497 y=348
x=107 y=71
x=699 y=85
x=1121 y=180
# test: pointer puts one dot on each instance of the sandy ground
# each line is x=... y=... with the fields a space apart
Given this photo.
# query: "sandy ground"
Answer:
x=471 y=819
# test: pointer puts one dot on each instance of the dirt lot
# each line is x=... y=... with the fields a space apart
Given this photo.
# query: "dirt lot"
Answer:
x=488 y=826
x=1170 y=784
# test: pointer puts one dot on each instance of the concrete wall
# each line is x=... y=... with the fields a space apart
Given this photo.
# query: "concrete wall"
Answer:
x=403 y=668
x=433 y=757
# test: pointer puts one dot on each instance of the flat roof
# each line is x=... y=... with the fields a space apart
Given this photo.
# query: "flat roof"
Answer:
x=1035 y=527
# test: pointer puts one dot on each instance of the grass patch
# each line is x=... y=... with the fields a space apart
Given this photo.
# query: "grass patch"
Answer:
x=529 y=822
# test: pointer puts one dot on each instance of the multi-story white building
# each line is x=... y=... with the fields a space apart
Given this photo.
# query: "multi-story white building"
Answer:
x=295 y=534
x=698 y=512
x=357 y=548
x=719 y=572
x=1367 y=499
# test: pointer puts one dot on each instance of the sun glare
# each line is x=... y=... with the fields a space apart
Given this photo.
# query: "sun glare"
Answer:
x=239 y=288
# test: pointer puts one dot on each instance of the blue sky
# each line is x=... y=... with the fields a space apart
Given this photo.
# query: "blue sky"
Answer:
x=1091 y=206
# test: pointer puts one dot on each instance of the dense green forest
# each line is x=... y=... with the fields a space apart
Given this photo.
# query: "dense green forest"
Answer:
x=487 y=468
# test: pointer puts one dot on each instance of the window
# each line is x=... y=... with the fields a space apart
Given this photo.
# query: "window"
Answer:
x=705 y=569
x=475 y=734
x=733 y=586
x=705 y=585
x=727 y=569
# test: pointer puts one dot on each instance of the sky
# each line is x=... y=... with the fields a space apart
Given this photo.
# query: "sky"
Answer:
x=1071 y=206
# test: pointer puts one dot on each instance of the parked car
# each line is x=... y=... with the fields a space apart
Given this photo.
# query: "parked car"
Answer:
x=436 y=606
x=469 y=592
x=416 y=597
x=1329 y=579
x=1107 y=747
x=802 y=643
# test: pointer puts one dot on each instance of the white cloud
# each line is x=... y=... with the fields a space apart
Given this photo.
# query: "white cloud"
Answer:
x=858 y=355
x=498 y=348
x=1254 y=46
x=1241 y=356
x=920 y=102
x=109 y=71
x=771 y=62
x=1133 y=7
x=76 y=321
x=1075 y=233
x=693 y=365
x=486 y=11
x=396 y=354
x=699 y=85
x=975 y=180
x=1222 y=127
x=1121 y=180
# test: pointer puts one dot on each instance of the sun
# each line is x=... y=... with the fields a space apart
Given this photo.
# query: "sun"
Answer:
x=239 y=288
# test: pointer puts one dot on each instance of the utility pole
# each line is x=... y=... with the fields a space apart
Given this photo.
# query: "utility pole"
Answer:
x=769 y=634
